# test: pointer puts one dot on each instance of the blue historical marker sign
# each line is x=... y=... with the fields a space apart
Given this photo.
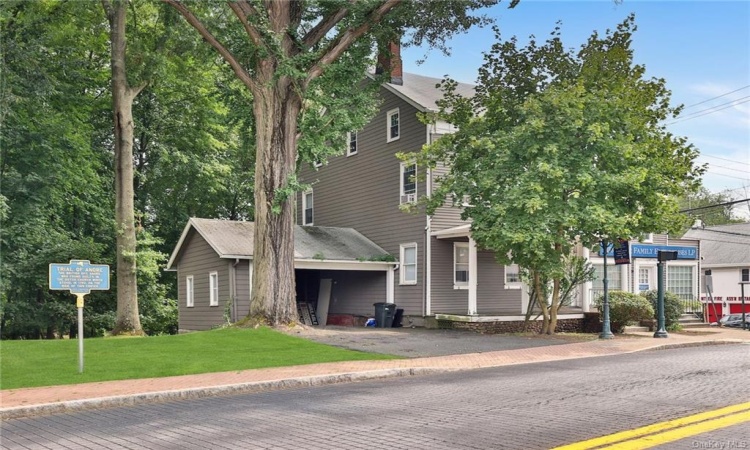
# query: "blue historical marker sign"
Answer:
x=79 y=277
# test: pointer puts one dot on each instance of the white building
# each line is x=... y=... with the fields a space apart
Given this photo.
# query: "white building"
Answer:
x=725 y=251
x=682 y=275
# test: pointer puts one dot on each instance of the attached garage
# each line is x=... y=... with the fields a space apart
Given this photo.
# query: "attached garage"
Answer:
x=337 y=266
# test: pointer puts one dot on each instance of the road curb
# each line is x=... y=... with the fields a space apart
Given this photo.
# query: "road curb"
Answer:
x=213 y=391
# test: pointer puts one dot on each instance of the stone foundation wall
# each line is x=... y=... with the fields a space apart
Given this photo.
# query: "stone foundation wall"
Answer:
x=563 y=325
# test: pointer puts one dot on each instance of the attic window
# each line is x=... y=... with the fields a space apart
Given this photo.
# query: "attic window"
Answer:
x=307 y=208
x=351 y=138
x=393 y=125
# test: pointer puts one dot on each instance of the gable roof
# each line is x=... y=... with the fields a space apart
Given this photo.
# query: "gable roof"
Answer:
x=723 y=245
x=422 y=93
x=234 y=240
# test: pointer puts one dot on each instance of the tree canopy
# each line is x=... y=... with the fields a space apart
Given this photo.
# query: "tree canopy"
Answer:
x=568 y=148
x=303 y=62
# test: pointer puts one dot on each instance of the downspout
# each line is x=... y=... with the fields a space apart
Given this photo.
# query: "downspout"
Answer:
x=427 y=288
x=233 y=281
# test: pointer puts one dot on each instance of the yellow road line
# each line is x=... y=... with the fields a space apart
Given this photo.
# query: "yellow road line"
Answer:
x=681 y=433
x=655 y=428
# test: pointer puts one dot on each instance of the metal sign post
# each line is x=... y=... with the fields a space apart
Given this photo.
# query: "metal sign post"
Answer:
x=79 y=277
x=744 y=317
x=662 y=258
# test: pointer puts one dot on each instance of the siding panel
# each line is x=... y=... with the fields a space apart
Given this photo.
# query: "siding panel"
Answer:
x=446 y=299
x=492 y=297
x=198 y=260
x=362 y=192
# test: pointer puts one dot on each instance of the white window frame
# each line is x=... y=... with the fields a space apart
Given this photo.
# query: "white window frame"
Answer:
x=412 y=196
x=304 y=208
x=461 y=284
x=512 y=284
x=213 y=289
x=189 y=291
x=744 y=271
x=402 y=259
x=349 y=151
x=649 y=239
x=391 y=113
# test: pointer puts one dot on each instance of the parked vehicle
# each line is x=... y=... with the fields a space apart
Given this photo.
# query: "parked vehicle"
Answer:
x=734 y=320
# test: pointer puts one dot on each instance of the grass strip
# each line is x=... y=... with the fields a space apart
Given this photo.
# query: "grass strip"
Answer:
x=55 y=362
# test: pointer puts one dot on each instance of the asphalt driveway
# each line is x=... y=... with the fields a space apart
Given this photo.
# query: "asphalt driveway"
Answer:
x=422 y=342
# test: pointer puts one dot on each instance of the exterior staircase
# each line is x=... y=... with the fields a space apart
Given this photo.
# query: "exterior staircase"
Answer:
x=691 y=321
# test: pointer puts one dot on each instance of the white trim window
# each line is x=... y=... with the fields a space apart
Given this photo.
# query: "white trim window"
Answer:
x=512 y=277
x=393 y=125
x=189 y=291
x=744 y=275
x=213 y=289
x=408 y=183
x=307 y=208
x=460 y=265
x=408 y=258
x=351 y=140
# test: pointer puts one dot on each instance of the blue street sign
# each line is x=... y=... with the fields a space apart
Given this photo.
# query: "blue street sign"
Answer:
x=651 y=251
x=79 y=277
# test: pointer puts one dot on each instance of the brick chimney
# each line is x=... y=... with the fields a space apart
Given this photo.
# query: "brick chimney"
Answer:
x=389 y=60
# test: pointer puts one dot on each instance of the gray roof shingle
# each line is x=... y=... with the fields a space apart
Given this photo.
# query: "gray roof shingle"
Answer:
x=723 y=244
x=423 y=91
x=232 y=239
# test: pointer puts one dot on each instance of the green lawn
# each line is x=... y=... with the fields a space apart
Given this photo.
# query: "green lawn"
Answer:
x=55 y=362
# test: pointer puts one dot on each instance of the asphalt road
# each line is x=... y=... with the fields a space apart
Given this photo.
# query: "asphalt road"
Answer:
x=535 y=406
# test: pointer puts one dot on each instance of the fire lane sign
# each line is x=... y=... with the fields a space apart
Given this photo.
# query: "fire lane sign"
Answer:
x=79 y=277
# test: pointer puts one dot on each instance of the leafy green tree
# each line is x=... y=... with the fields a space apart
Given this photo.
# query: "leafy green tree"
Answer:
x=703 y=198
x=303 y=62
x=193 y=151
x=55 y=182
x=569 y=149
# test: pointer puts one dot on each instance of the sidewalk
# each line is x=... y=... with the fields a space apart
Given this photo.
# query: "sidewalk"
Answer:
x=16 y=403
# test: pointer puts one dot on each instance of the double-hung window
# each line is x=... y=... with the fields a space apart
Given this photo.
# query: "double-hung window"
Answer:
x=460 y=265
x=393 y=125
x=408 y=263
x=512 y=277
x=213 y=289
x=351 y=139
x=189 y=292
x=307 y=208
x=680 y=281
x=745 y=275
x=408 y=183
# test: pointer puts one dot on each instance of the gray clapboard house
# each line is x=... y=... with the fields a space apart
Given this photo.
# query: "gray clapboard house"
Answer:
x=442 y=274
x=438 y=273
x=213 y=261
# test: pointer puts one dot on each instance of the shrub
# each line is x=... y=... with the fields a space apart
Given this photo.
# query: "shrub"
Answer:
x=672 y=308
x=625 y=309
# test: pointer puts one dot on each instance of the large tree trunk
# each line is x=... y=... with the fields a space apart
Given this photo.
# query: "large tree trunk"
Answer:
x=128 y=320
x=276 y=106
x=554 y=307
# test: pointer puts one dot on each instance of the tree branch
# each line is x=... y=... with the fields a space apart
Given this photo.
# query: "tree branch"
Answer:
x=203 y=31
x=345 y=40
x=323 y=27
x=108 y=10
x=242 y=10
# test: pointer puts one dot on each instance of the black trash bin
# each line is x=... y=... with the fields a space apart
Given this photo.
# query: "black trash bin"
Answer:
x=384 y=313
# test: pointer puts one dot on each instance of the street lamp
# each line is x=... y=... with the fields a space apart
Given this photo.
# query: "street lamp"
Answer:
x=606 y=329
x=662 y=257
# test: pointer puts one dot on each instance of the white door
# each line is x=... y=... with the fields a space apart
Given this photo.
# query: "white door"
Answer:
x=646 y=279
